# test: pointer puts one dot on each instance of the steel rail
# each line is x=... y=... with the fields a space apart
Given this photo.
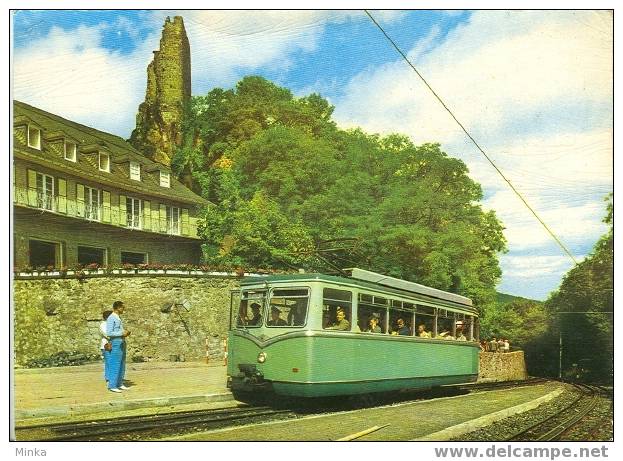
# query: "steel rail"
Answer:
x=92 y=430
x=554 y=433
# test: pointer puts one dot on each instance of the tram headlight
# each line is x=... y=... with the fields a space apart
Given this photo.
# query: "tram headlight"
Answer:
x=261 y=357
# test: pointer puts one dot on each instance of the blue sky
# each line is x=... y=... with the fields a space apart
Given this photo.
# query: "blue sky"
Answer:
x=535 y=88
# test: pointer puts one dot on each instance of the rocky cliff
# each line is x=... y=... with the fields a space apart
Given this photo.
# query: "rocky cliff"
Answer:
x=159 y=119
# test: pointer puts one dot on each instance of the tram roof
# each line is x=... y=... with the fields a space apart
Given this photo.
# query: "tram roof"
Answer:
x=368 y=279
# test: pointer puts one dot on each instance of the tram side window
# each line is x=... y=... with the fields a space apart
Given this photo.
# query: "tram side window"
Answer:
x=288 y=307
x=445 y=324
x=251 y=309
x=400 y=322
x=369 y=306
x=370 y=319
x=424 y=321
x=336 y=309
x=461 y=330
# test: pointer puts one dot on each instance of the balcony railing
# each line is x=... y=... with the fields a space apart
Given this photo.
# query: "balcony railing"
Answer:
x=63 y=206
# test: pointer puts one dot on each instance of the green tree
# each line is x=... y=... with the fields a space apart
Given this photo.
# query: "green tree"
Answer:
x=588 y=287
x=411 y=211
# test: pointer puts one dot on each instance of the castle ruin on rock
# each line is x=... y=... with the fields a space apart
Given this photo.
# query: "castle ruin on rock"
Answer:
x=159 y=120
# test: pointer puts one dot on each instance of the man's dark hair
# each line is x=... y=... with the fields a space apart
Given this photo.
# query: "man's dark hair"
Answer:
x=106 y=314
x=117 y=304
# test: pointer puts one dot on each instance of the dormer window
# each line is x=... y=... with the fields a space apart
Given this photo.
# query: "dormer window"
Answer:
x=34 y=137
x=165 y=179
x=135 y=171
x=70 y=151
x=104 y=162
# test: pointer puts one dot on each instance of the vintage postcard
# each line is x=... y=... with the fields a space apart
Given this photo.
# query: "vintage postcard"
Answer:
x=313 y=225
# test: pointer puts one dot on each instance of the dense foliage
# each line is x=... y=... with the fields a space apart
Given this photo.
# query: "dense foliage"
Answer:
x=290 y=189
x=588 y=338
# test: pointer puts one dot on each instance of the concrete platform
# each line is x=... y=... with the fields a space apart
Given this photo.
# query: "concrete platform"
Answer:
x=79 y=390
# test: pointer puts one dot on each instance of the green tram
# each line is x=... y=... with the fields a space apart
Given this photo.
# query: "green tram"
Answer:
x=314 y=335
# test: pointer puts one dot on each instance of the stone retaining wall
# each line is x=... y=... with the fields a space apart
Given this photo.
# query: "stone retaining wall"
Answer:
x=60 y=317
x=497 y=366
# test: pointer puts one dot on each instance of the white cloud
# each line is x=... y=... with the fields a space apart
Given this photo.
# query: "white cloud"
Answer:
x=535 y=89
x=69 y=73
x=535 y=267
x=497 y=66
x=72 y=74
x=572 y=223
x=224 y=45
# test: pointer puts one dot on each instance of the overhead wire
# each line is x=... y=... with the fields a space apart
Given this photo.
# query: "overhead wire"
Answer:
x=545 y=226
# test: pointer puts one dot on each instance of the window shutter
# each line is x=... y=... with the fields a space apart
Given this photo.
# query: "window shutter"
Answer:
x=123 y=217
x=80 y=200
x=146 y=214
x=155 y=218
x=105 y=206
x=163 y=218
x=114 y=212
x=62 y=195
x=32 y=188
x=185 y=221
x=192 y=225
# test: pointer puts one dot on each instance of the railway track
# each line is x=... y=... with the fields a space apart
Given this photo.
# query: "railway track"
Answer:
x=147 y=426
x=555 y=426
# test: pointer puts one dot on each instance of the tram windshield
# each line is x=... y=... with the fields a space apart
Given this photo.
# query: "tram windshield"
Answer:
x=250 y=311
x=288 y=307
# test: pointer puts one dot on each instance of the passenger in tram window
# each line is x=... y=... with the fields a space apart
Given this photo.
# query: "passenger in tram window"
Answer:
x=275 y=319
x=373 y=324
x=459 y=332
x=341 y=323
x=421 y=331
x=402 y=330
x=257 y=317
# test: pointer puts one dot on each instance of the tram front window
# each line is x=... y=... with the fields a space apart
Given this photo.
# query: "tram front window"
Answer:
x=288 y=307
x=250 y=312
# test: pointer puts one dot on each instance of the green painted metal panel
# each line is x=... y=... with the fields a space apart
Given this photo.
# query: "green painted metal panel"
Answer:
x=351 y=363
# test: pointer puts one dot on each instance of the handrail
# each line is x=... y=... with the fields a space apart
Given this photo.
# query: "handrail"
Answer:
x=63 y=206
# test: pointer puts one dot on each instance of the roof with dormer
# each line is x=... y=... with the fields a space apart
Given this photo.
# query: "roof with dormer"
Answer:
x=90 y=141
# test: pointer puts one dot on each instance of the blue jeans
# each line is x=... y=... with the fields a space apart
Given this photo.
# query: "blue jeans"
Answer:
x=116 y=363
x=106 y=357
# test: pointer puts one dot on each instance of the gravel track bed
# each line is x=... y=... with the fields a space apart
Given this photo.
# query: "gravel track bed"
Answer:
x=596 y=426
x=505 y=428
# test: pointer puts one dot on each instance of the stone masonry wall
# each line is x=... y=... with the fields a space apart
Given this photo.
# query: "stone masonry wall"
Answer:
x=509 y=366
x=56 y=316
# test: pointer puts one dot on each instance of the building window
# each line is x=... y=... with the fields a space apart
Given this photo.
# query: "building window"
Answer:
x=104 y=162
x=43 y=254
x=135 y=171
x=34 y=137
x=45 y=192
x=91 y=255
x=92 y=203
x=134 y=209
x=128 y=257
x=165 y=179
x=173 y=220
x=70 y=151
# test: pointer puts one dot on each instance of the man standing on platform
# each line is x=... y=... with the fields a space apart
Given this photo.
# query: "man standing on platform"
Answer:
x=117 y=335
